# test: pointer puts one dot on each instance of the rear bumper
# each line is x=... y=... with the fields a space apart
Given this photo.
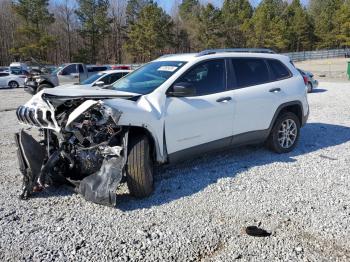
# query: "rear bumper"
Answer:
x=305 y=117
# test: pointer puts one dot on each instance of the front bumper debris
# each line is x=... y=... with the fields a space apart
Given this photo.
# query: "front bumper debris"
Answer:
x=38 y=170
x=31 y=156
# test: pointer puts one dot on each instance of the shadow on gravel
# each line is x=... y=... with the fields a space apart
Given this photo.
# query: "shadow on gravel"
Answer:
x=190 y=177
x=318 y=90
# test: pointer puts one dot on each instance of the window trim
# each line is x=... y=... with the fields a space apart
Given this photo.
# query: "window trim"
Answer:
x=226 y=64
x=271 y=75
x=271 y=71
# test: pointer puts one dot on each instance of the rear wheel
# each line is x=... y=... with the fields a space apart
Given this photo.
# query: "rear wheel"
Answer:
x=285 y=133
x=139 y=173
x=309 y=87
x=13 y=84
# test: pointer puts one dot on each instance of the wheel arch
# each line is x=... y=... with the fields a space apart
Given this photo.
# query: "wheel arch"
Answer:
x=295 y=107
x=137 y=130
x=45 y=82
x=12 y=80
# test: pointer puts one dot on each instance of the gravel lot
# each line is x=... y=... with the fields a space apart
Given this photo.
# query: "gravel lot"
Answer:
x=200 y=209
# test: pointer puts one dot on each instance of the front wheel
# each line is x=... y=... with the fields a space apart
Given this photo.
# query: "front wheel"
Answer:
x=13 y=84
x=285 y=133
x=139 y=171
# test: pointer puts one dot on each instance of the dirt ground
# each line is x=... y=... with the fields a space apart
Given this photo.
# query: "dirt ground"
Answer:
x=333 y=68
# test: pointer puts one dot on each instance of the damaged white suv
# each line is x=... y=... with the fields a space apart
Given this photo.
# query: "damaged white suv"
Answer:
x=173 y=108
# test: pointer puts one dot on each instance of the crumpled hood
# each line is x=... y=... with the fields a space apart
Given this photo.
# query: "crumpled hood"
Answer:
x=72 y=93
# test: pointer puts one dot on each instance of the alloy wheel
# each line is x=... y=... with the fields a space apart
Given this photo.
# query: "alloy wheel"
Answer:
x=287 y=133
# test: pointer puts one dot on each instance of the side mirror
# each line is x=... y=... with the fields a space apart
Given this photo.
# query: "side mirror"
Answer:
x=182 y=89
x=99 y=83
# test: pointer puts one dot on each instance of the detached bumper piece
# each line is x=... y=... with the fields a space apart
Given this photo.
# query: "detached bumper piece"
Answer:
x=101 y=187
x=40 y=171
x=31 y=157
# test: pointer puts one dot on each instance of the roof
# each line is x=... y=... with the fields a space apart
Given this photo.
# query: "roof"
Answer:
x=221 y=54
x=115 y=71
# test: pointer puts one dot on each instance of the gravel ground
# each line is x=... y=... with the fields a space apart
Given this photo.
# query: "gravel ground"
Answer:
x=200 y=209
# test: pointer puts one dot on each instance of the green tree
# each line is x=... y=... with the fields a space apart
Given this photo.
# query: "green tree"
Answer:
x=324 y=13
x=189 y=11
x=342 y=25
x=299 y=29
x=267 y=26
x=209 y=28
x=134 y=8
x=93 y=16
x=150 y=34
x=31 y=37
x=236 y=15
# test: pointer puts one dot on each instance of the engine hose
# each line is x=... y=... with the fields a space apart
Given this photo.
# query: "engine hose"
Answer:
x=70 y=159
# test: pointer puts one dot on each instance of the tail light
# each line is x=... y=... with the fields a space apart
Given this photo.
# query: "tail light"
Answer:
x=305 y=80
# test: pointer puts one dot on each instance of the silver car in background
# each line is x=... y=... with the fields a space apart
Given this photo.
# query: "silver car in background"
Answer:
x=309 y=80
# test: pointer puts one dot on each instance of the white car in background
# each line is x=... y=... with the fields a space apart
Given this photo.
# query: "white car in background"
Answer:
x=101 y=79
x=8 y=79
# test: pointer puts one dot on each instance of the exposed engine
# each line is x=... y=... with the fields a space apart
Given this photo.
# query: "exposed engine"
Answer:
x=89 y=152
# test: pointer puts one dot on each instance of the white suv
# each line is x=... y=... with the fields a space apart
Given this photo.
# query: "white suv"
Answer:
x=173 y=108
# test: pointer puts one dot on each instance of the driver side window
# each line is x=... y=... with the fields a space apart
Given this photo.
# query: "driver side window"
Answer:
x=69 y=70
x=206 y=78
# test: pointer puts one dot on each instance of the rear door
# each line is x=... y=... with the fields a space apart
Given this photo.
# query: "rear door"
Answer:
x=4 y=77
x=256 y=95
x=203 y=118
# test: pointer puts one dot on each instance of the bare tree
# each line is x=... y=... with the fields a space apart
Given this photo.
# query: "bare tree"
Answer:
x=8 y=25
x=118 y=29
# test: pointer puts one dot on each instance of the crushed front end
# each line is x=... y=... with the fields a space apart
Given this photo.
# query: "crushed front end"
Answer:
x=81 y=145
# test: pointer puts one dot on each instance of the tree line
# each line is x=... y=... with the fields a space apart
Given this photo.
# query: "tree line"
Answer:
x=131 y=31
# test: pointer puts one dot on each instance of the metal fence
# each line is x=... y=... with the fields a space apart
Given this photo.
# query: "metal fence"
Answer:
x=320 y=54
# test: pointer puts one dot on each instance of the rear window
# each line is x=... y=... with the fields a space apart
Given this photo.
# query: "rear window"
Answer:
x=250 y=71
x=279 y=70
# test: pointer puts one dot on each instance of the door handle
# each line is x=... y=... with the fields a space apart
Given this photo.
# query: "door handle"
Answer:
x=275 y=90
x=223 y=99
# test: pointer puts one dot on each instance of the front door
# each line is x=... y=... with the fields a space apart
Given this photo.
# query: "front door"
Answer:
x=203 y=118
x=69 y=75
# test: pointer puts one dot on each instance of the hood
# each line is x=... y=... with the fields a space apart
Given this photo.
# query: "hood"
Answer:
x=64 y=93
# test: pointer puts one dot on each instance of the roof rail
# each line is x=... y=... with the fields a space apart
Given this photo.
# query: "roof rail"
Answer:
x=238 y=50
x=170 y=55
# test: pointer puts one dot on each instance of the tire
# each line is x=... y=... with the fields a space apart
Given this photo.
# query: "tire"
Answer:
x=278 y=141
x=42 y=87
x=309 y=87
x=13 y=84
x=139 y=171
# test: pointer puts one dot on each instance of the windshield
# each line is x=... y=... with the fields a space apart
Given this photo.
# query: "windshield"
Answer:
x=54 y=72
x=148 y=78
x=92 y=79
